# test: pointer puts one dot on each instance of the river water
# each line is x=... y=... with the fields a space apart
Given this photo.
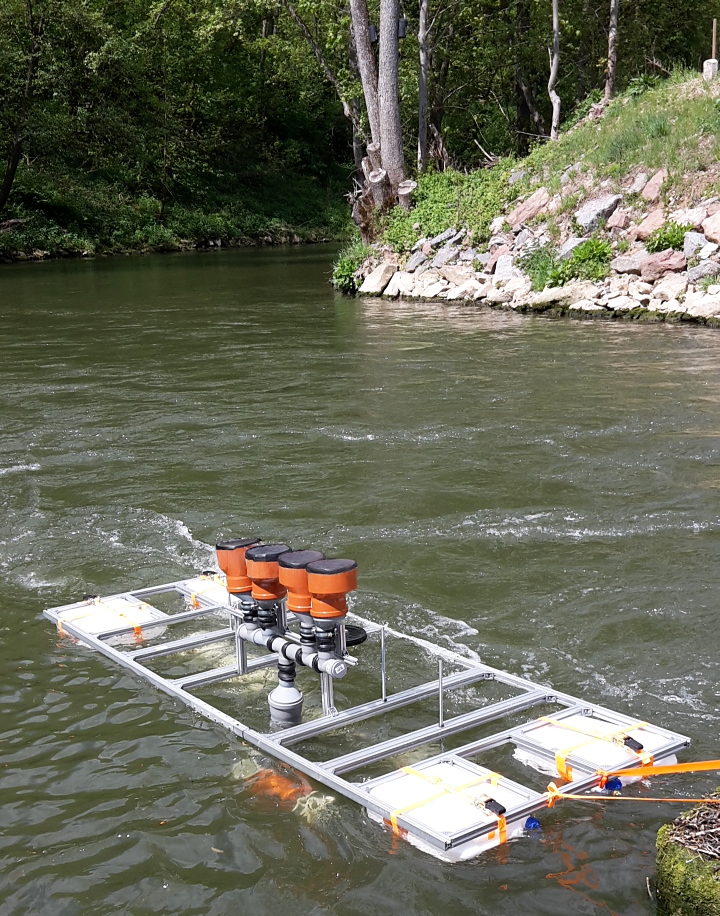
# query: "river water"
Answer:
x=544 y=493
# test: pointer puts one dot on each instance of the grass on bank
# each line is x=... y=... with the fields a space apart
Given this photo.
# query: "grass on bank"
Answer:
x=673 y=124
x=67 y=214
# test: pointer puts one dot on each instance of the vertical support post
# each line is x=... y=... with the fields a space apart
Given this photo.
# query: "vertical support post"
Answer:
x=383 y=683
x=240 y=654
x=441 y=711
x=327 y=694
x=714 y=44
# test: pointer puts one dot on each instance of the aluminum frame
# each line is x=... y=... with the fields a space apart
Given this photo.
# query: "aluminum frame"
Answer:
x=277 y=744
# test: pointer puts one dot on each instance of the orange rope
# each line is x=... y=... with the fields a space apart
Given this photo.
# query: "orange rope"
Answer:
x=697 y=767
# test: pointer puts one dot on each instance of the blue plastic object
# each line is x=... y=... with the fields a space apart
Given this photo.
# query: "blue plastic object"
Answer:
x=532 y=823
x=613 y=785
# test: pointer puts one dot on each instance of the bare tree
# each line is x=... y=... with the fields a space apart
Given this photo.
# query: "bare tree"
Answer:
x=422 y=150
x=366 y=64
x=388 y=94
x=612 y=49
x=554 y=53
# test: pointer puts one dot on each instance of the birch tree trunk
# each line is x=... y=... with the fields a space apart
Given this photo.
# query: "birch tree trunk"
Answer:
x=389 y=102
x=554 y=68
x=422 y=149
x=612 y=49
x=366 y=64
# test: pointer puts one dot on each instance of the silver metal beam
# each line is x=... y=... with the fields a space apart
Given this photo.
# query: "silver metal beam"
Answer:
x=181 y=645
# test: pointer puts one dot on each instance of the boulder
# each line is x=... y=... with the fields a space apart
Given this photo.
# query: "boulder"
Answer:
x=516 y=176
x=496 y=241
x=401 y=284
x=457 y=274
x=495 y=256
x=523 y=238
x=469 y=254
x=434 y=289
x=693 y=242
x=652 y=189
x=442 y=238
x=497 y=225
x=652 y=221
x=629 y=264
x=585 y=305
x=567 y=248
x=671 y=287
x=711 y=227
x=707 y=251
x=530 y=208
x=415 y=261
x=706 y=269
x=657 y=265
x=504 y=267
x=619 y=220
x=702 y=306
x=573 y=292
x=466 y=290
x=497 y=296
x=448 y=253
x=623 y=304
x=641 y=179
x=418 y=245
x=689 y=217
x=588 y=217
x=375 y=283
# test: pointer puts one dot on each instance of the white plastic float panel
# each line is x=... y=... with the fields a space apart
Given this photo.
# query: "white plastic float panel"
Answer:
x=448 y=797
x=438 y=804
x=583 y=741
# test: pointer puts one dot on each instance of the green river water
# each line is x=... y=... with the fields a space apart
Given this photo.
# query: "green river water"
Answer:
x=544 y=493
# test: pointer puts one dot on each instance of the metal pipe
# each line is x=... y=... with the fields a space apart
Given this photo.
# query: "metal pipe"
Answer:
x=441 y=723
x=286 y=648
x=383 y=683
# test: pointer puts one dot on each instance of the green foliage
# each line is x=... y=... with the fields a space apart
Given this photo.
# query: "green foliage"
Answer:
x=639 y=85
x=450 y=198
x=671 y=235
x=588 y=261
x=346 y=263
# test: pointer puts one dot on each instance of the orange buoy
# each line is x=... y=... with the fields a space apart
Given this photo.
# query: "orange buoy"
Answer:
x=231 y=560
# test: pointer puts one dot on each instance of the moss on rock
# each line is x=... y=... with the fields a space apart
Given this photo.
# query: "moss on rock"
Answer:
x=688 y=884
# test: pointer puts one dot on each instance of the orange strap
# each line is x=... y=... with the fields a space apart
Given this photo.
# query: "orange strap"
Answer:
x=561 y=765
x=553 y=794
x=698 y=766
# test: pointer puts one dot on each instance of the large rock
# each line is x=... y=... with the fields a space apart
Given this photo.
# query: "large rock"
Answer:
x=657 y=265
x=623 y=304
x=495 y=256
x=689 y=217
x=466 y=290
x=497 y=296
x=707 y=251
x=702 y=306
x=446 y=254
x=504 y=267
x=497 y=225
x=671 y=287
x=567 y=248
x=401 y=284
x=588 y=217
x=641 y=179
x=652 y=221
x=435 y=289
x=693 y=242
x=375 y=283
x=443 y=237
x=415 y=260
x=457 y=274
x=706 y=269
x=619 y=220
x=530 y=208
x=629 y=264
x=652 y=189
x=711 y=227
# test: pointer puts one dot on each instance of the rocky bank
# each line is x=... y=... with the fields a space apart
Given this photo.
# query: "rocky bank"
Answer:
x=669 y=285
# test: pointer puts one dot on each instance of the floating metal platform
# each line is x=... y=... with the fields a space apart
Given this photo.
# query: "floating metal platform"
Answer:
x=431 y=778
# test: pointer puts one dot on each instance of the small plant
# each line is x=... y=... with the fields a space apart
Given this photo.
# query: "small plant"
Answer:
x=706 y=282
x=538 y=264
x=622 y=246
x=639 y=85
x=671 y=235
x=590 y=260
x=347 y=263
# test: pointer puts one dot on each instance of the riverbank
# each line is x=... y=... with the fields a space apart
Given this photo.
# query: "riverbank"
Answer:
x=618 y=219
x=68 y=216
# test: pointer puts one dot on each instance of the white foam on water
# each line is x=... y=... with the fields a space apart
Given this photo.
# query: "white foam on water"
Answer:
x=16 y=468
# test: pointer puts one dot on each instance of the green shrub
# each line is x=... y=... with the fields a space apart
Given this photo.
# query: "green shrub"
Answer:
x=589 y=261
x=347 y=262
x=671 y=235
x=538 y=265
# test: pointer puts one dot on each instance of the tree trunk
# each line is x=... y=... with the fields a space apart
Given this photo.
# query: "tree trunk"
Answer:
x=382 y=192
x=388 y=98
x=422 y=149
x=405 y=193
x=15 y=150
x=374 y=154
x=366 y=64
x=554 y=68
x=612 y=49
